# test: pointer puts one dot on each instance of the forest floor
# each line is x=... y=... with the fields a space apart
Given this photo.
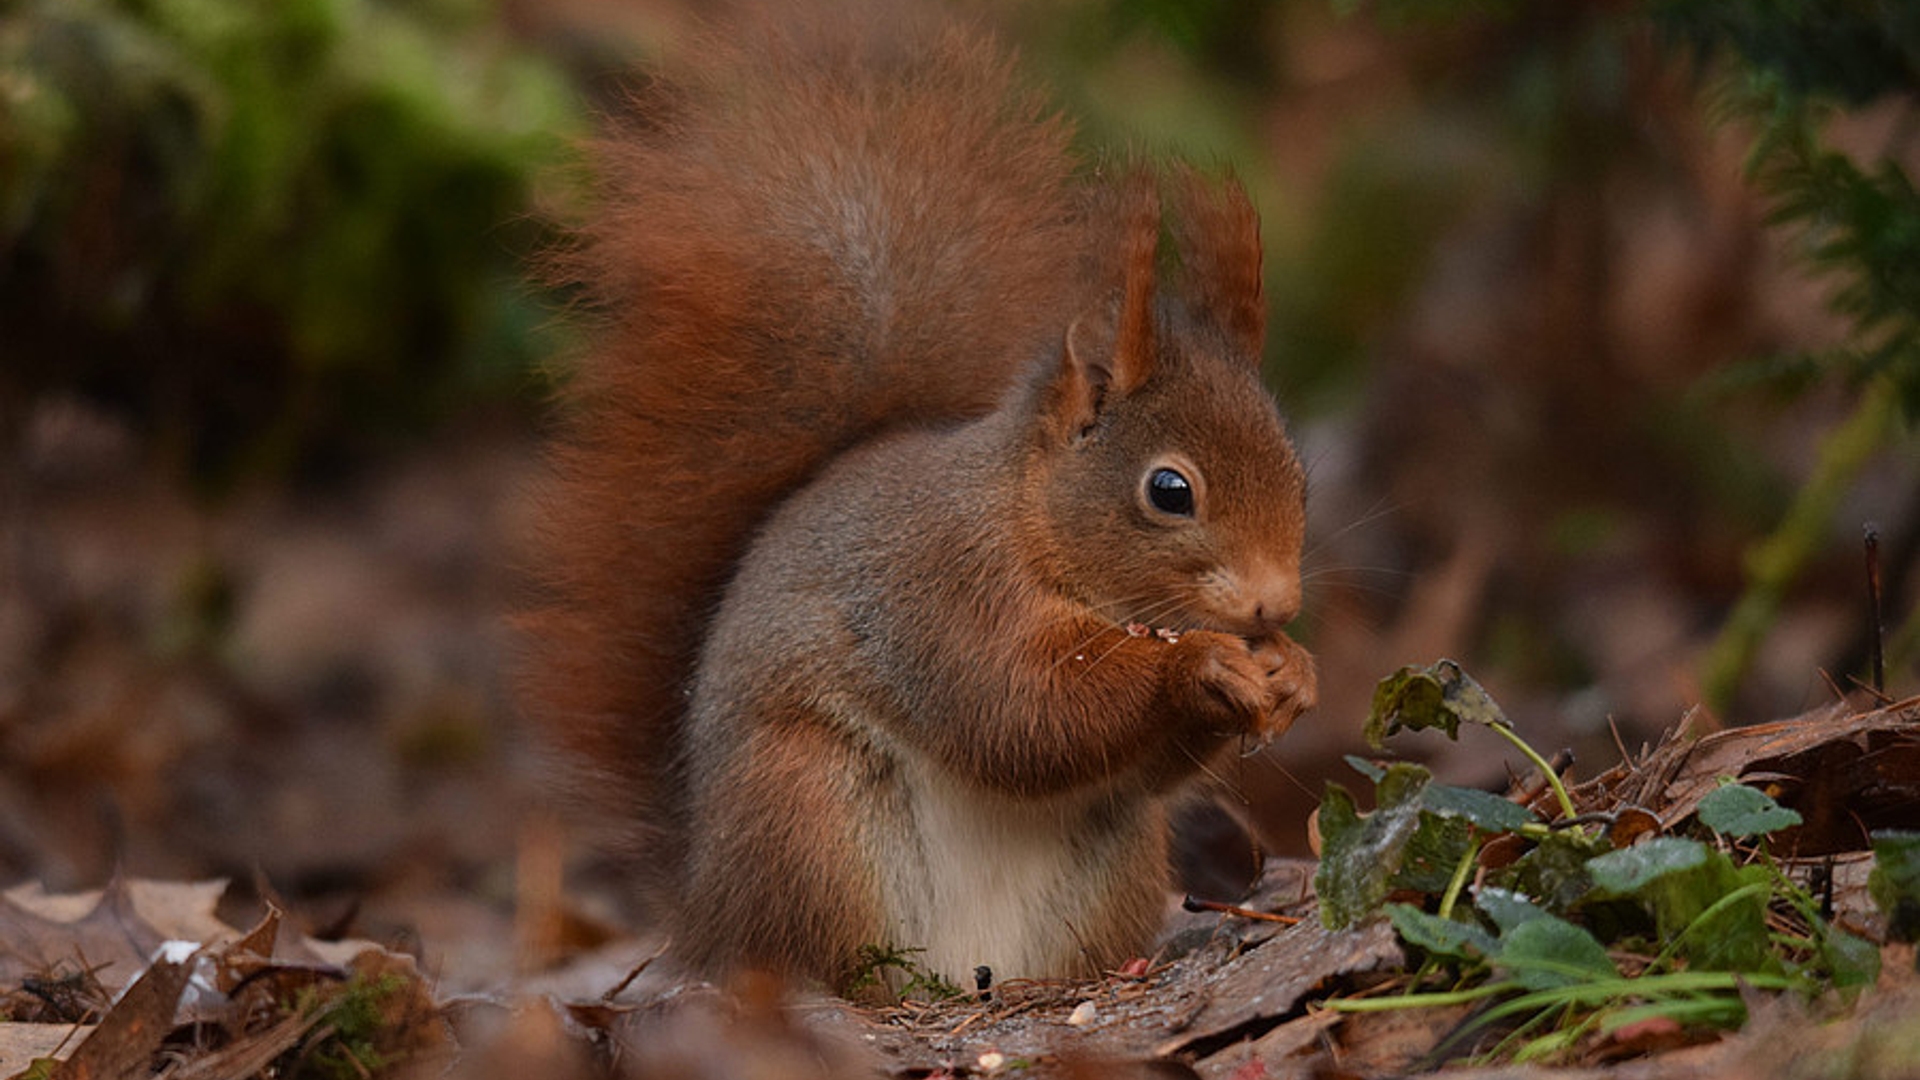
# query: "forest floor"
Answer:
x=1235 y=995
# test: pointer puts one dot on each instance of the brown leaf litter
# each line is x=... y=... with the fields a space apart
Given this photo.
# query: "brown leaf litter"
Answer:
x=1228 y=998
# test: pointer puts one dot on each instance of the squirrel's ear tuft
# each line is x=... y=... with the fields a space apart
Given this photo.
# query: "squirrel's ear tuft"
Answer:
x=1109 y=351
x=1218 y=233
x=1133 y=352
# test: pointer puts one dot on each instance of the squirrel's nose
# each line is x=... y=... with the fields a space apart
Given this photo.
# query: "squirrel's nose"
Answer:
x=1277 y=602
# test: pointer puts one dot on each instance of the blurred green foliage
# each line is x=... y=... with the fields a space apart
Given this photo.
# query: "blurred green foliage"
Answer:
x=1793 y=66
x=266 y=231
x=1796 y=64
x=1853 y=50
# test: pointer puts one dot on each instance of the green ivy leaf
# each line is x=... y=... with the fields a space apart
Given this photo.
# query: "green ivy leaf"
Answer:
x=1448 y=938
x=1400 y=846
x=1440 y=696
x=1729 y=934
x=1359 y=854
x=1554 y=873
x=1737 y=810
x=1433 y=854
x=1630 y=870
x=1549 y=952
x=1507 y=909
x=1850 y=960
x=1710 y=912
x=1894 y=882
x=1484 y=809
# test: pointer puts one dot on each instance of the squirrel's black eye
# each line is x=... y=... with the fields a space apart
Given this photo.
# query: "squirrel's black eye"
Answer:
x=1170 y=493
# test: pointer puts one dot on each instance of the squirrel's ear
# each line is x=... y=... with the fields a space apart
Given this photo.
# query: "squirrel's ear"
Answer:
x=1079 y=385
x=1108 y=354
x=1218 y=233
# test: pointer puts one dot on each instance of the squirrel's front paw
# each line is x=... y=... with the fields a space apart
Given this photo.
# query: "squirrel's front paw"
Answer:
x=1291 y=683
x=1227 y=682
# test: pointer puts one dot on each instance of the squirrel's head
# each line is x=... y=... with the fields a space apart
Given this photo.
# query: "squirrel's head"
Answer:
x=1174 y=495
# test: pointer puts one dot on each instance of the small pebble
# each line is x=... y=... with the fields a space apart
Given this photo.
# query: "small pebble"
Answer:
x=1083 y=1014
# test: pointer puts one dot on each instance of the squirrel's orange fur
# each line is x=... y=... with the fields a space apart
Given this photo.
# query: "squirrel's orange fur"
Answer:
x=859 y=512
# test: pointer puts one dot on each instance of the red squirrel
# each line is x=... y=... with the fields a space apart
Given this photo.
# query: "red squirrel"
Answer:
x=918 y=522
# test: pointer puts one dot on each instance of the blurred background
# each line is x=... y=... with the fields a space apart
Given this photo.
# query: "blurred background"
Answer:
x=1598 y=322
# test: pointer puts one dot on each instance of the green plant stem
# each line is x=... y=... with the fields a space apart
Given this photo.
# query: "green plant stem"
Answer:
x=1459 y=880
x=1420 y=1001
x=1776 y=562
x=1688 y=1010
x=1546 y=769
x=1599 y=991
x=1528 y=1048
x=1604 y=991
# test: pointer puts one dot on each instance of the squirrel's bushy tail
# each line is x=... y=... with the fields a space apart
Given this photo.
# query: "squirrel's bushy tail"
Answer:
x=800 y=240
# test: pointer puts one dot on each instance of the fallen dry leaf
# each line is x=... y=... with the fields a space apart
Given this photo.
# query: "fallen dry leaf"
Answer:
x=22 y=1044
x=123 y=1044
x=1846 y=774
x=101 y=933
